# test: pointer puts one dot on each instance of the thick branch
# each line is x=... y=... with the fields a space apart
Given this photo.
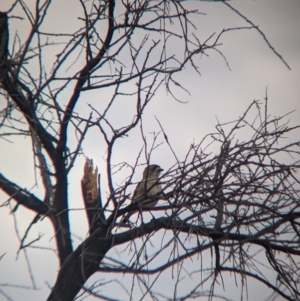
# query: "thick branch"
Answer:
x=80 y=265
x=25 y=105
x=171 y=224
x=23 y=197
x=84 y=74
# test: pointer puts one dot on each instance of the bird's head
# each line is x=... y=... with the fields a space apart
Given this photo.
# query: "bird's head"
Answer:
x=152 y=171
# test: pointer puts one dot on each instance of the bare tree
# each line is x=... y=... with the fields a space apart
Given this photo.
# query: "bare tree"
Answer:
x=239 y=205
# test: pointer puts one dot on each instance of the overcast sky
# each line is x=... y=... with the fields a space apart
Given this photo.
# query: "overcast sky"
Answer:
x=219 y=93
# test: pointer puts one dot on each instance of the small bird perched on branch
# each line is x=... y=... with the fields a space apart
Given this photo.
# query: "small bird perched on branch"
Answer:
x=148 y=187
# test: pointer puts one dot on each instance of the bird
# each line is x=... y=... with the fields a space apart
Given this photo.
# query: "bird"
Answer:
x=148 y=186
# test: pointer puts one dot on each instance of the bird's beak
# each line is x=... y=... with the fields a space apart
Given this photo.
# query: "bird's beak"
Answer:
x=160 y=170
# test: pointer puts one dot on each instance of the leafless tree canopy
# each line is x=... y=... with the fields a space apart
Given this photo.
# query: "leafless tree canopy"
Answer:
x=238 y=206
